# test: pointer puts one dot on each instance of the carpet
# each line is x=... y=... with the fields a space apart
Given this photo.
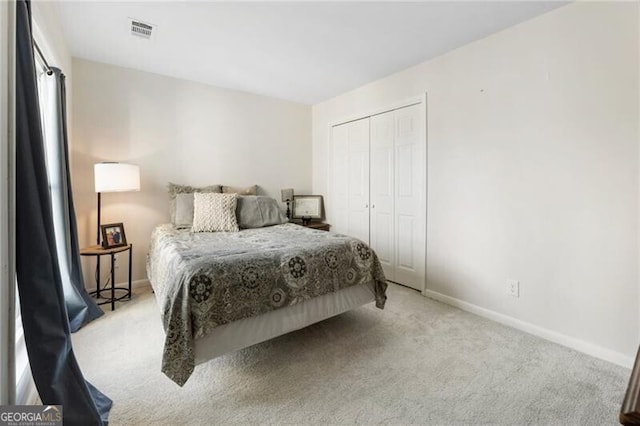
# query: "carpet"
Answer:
x=416 y=362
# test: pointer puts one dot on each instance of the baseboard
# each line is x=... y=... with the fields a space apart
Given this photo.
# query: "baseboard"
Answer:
x=138 y=283
x=553 y=336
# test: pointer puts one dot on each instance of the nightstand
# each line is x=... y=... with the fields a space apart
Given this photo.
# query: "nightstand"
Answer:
x=98 y=251
x=317 y=225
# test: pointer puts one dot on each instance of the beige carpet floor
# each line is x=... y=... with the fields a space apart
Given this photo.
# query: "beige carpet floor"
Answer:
x=416 y=362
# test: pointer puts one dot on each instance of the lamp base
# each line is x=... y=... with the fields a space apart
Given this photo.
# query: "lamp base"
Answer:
x=98 y=233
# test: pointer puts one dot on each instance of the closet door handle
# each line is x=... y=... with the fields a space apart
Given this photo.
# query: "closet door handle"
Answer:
x=366 y=206
x=373 y=206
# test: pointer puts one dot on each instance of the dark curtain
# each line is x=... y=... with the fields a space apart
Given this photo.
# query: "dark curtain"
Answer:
x=44 y=316
x=80 y=307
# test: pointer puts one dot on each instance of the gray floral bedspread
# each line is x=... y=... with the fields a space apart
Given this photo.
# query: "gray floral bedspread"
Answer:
x=202 y=280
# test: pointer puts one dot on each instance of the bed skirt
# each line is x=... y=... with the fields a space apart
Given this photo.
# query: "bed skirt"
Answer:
x=249 y=331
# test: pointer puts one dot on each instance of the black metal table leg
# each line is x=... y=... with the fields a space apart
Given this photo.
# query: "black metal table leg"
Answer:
x=113 y=281
x=130 y=257
x=98 y=277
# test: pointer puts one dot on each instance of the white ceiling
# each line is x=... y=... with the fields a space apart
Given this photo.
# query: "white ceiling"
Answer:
x=301 y=51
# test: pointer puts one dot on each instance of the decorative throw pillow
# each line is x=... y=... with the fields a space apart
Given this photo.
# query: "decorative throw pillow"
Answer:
x=184 y=211
x=175 y=189
x=256 y=211
x=249 y=190
x=214 y=212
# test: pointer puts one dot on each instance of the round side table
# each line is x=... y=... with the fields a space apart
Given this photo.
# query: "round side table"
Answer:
x=98 y=251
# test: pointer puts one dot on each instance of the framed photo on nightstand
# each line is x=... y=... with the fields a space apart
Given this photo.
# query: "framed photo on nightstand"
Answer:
x=113 y=235
x=307 y=207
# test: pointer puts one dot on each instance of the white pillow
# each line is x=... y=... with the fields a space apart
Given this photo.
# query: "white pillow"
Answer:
x=214 y=212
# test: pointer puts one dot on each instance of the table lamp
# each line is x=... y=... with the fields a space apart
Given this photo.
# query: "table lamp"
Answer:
x=287 y=197
x=114 y=177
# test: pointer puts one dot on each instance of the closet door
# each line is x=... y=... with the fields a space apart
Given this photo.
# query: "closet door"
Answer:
x=382 y=159
x=339 y=173
x=351 y=178
x=358 y=179
x=410 y=196
x=382 y=190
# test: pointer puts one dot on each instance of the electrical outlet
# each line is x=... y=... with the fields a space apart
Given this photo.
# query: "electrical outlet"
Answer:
x=115 y=262
x=513 y=288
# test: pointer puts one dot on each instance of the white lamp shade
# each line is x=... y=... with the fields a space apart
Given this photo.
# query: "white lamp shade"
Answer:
x=116 y=177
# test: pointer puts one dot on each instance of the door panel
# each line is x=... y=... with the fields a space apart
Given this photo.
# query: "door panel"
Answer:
x=382 y=191
x=358 y=190
x=339 y=177
x=406 y=230
x=358 y=183
x=350 y=177
x=405 y=171
x=410 y=198
x=384 y=238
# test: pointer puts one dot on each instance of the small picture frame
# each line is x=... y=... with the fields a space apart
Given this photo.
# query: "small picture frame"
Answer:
x=113 y=235
x=307 y=207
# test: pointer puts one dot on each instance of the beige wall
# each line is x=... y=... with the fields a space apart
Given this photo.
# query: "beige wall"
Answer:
x=532 y=173
x=181 y=132
x=49 y=36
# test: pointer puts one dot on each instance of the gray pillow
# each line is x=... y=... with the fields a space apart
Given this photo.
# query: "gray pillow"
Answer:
x=256 y=211
x=249 y=190
x=175 y=189
x=184 y=210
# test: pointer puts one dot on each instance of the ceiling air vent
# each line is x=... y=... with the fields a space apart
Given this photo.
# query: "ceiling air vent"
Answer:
x=140 y=29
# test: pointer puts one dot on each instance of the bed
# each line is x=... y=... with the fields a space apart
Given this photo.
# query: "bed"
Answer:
x=223 y=291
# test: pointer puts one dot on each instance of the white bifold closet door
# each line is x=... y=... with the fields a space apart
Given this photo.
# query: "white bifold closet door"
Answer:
x=350 y=194
x=379 y=187
x=382 y=188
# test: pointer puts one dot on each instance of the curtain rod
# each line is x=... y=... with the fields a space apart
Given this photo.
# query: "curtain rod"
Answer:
x=46 y=64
